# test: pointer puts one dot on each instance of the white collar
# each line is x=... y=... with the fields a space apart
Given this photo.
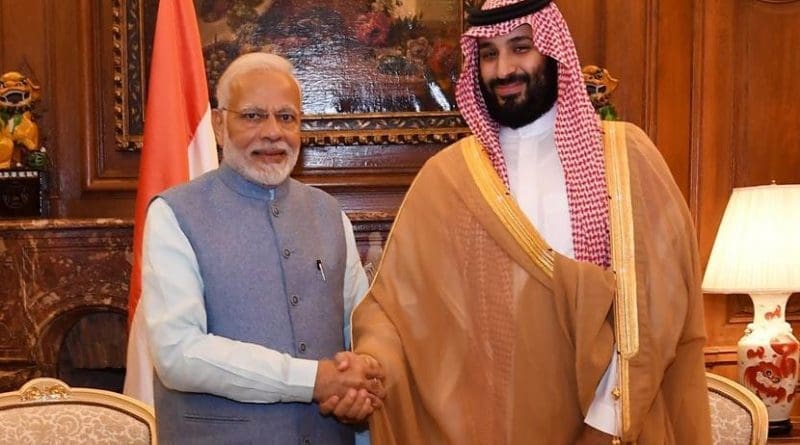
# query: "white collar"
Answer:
x=546 y=123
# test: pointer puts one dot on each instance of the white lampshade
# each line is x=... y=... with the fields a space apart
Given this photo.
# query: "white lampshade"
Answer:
x=757 y=249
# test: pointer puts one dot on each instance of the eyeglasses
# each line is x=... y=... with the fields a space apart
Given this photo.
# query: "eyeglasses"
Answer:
x=255 y=117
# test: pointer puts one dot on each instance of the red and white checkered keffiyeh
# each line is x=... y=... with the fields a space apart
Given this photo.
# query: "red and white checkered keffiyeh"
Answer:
x=578 y=135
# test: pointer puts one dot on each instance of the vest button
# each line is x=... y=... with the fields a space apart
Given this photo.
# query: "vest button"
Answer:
x=294 y=300
x=302 y=346
x=287 y=253
x=276 y=211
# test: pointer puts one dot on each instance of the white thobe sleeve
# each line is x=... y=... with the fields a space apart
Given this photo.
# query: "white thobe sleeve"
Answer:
x=602 y=413
x=355 y=279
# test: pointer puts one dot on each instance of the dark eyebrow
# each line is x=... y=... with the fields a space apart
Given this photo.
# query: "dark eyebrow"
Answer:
x=520 y=39
x=513 y=40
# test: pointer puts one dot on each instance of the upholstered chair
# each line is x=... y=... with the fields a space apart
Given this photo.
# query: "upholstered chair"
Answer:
x=48 y=411
x=738 y=417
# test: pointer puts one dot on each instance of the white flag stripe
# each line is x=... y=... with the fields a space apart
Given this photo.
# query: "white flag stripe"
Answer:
x=203 y=148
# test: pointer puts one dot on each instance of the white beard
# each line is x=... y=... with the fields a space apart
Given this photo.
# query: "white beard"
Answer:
x=266 y=174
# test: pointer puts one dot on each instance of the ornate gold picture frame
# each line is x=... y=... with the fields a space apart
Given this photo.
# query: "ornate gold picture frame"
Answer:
x=372 y=71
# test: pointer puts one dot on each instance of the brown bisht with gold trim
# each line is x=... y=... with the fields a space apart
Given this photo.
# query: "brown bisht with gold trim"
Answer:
x=488 y=336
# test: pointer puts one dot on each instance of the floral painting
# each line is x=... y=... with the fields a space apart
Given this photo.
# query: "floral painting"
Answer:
x=351 y=56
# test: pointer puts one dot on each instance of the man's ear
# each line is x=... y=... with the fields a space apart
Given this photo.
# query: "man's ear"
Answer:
x=218 y=122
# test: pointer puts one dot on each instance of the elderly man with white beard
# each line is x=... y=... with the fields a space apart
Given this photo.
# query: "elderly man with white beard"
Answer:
x=249 y=278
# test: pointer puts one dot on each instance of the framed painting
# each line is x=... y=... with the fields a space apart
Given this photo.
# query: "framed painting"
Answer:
x=372 y=71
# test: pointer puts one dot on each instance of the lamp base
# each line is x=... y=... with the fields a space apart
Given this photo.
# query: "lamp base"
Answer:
x=768 y=357
x=780 y=428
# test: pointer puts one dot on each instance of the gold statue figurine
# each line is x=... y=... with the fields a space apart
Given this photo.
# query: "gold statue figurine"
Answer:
x=600 y=85
x=17 y=128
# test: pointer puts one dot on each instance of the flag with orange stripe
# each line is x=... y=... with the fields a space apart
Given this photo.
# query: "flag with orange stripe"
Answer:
x=178 y=145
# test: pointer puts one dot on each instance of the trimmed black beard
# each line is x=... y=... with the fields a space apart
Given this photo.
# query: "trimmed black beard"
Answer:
x=542 y=93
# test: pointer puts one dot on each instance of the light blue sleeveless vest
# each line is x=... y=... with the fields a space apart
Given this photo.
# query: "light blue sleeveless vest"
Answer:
x=260 y=251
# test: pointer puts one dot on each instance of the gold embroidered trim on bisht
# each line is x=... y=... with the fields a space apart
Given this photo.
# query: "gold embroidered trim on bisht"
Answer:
x=623 y=259
x=506 y=208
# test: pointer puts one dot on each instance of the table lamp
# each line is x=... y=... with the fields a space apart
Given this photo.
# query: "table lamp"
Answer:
x=757 y=252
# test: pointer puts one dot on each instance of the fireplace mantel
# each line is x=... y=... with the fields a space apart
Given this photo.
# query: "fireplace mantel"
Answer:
x=56 y=272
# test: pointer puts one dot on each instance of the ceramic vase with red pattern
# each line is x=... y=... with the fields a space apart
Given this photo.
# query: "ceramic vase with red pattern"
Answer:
x=768 y=358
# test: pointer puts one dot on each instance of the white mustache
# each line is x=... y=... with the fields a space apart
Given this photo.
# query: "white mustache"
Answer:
x=278 y=148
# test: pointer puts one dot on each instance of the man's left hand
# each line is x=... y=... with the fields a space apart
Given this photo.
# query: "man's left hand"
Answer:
x=357 y=404
x=355 y=407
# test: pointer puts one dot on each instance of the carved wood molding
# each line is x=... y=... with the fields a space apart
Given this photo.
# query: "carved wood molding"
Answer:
x=719 y=355
x=383 y=128
x=129 y=67
x=44 y=394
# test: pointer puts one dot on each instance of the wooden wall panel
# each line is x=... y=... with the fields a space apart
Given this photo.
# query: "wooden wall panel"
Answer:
x=745 y=112
x=2 y=34
x=613 y=34
x=669 y=111
x=97 y=180
x=766 y=93
x=23 y=47
x=645 y=45
x=14 y=52
x=106 y=167
x=627 y=41
x=712 y=111
x=745 y=120
x=75 y=89
x=57 y=44
x=23 y=32
x=585 y=26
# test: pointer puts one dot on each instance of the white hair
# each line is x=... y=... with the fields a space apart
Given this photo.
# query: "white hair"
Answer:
x=251 y=62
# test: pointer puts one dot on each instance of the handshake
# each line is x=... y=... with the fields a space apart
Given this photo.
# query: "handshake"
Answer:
x=350 y=386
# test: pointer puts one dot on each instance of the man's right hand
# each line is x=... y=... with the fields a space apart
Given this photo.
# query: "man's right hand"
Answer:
x=350 y=387
x=348 y=370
